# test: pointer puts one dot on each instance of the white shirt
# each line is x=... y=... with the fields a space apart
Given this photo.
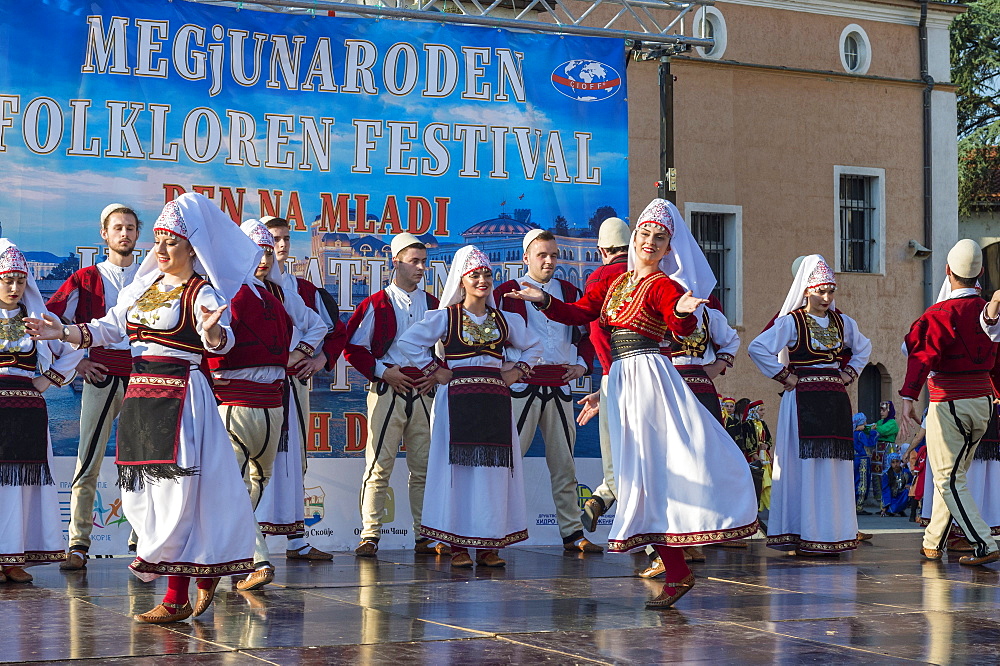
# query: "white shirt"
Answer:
x=114 y=278
x=409 y=308
x=719 y=333
x=557 y=339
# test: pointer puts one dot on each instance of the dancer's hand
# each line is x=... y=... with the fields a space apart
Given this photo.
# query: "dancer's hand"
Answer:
x=573 y=372
x=687 y=303
x=41 y=383
x=715 y=369
x=210 y=325
x=310 y=365
x=442 y=375
x=789 y=382
x=591 y=407
x=91 y=371
x=908 y=421
x=528 y=293
x=395 y=378
x=46 y=328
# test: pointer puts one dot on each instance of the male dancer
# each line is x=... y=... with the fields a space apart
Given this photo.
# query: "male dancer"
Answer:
x=949 y=340
x=88 y=294
x=612 y=243
x=247 y=383
x=398 y=406
x=322 y=304
x=543 y=400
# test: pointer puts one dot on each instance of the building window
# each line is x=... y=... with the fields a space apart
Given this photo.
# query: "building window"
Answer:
x=855 y=50
x=860 y=220
x=711 y=24
x=718 y=229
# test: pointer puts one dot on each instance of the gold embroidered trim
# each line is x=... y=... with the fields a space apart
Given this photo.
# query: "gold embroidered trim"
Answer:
x=33 y=556
x=478 y=380
x=302 y=347
x=20 y=393
x=699 y=380
x=187 y=569
x=794 y=541
x=806 y=379
x=473 y=542
x=698 y=538
x=54 y=377
x=86 y=337
x=283 y=529
x=158 y=381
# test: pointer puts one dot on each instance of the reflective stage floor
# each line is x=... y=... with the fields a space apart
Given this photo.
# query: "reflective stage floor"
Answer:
x=880 y=604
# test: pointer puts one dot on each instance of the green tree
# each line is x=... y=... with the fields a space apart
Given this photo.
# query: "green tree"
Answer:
x=601 y=214
x=975 y=61
x=562 y=225
x=65 y=268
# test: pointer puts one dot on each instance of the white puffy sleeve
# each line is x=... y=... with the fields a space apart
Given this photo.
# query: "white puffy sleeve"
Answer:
x=723 y=335
x=524 y=339
x=210 y=299
x=417 y=341
x=764 y=349
x=861 y=347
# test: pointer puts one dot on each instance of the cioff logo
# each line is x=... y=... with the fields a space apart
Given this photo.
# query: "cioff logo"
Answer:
x=586 y=80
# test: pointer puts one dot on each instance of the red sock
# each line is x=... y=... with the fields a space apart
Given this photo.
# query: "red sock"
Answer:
x=204 y=583
x=673 y=562
x=177 y=590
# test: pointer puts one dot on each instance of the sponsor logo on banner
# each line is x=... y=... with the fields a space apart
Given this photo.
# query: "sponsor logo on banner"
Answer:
x=314 y=504
x=586 y=80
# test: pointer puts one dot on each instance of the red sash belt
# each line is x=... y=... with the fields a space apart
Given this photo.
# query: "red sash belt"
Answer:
x=117 y=361
x=243 y=393
x=959 y=386
x=547 y=375
x=411 y=372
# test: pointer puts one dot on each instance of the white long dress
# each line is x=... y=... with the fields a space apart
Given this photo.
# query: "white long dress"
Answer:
x=812 y=500
x=30 y=524
x=681 y=479
x=474 y=507
x=200 y=525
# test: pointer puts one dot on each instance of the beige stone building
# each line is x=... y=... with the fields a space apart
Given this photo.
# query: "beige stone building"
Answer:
x=801 y=132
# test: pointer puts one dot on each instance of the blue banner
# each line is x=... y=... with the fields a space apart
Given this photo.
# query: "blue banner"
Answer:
x=354 y=129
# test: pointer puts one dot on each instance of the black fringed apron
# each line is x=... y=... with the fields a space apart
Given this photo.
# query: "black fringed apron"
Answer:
x=989 y=445
x=149 y=427
x=24 y=434
x=479 y=418
x=824 y=414
x=479 y=403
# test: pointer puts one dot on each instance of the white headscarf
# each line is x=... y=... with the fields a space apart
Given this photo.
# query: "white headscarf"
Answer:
x=468 y=258
x=224 y=255
x=262 y=236
x=685 y=263
x=12 y=260
x=813 y=272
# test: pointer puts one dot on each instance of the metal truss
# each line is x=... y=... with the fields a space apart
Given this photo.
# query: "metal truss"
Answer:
x=651 y=27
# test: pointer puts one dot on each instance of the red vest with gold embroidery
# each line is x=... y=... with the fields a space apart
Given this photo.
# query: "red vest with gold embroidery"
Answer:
x=262 y=329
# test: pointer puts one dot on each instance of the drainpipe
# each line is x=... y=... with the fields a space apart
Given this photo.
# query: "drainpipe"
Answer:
x=928 y=157
x=666 y=129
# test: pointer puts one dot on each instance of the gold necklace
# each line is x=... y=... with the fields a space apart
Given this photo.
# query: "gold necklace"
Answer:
x=479 y=334
x=13 y=329
x=827 y=338
x=155 y=299
x=622 y=294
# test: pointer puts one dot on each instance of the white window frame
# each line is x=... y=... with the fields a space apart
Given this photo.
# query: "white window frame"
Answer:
x=878 y=225
x=864 y=49
x=721 y=35
x=734 y=258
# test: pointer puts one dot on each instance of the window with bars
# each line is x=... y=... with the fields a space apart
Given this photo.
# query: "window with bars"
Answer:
x=858 y=223
x=709 y=229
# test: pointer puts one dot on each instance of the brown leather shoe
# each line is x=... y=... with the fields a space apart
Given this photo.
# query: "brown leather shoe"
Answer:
x=256 y=580
x=694 y=554
x=312 y=554
x=931 y=554
x=489 y=558
x=960 y=544
x=654 y=569
x=3 y=578
x=441 y=548
x=593 y=509
x=864 y=536
x=165 y=613
x=76 y=560
x=205 y=597
x=739 y=543
x=671 y=593
x=461 y=560
x=583 y=546
x=367 y=548
x=970 y=560
x=17 y=575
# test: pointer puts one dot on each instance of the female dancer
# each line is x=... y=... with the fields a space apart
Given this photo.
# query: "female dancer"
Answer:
x=814 y=352
x=30 y=529
x=475 y=489
x=181 y=486
x=681 y=481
